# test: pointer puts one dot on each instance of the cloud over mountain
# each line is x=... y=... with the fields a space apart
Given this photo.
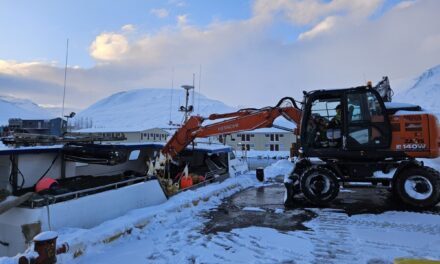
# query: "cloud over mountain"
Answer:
x=340 y=43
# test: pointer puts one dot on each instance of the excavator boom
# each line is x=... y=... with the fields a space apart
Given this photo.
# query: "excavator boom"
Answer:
x=243 y=120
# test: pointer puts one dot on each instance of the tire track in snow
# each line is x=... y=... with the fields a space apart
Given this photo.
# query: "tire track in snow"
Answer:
x=333 y=242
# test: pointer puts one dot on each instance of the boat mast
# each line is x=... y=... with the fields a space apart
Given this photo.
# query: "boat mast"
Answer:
x=64 y=90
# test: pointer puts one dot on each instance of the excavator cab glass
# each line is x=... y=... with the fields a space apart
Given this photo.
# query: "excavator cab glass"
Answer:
x=367 y=126
x=344 y=121
x=324 y=123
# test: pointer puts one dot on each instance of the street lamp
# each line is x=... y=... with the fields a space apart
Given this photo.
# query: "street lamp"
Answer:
x=71 y=115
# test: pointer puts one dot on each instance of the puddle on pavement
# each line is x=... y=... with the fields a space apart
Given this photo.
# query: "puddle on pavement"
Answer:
x=238 y=212
x=264 y=207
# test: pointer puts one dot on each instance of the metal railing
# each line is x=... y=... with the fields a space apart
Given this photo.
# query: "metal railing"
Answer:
x=51 y=199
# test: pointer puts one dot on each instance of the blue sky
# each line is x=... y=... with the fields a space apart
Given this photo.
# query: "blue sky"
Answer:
x=251 y=52
x=37 y=30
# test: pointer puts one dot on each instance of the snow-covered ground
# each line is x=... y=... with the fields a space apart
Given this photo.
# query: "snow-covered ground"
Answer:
x=174 y=233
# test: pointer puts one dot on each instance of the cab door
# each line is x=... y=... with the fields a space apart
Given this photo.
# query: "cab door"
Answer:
x=367 y=125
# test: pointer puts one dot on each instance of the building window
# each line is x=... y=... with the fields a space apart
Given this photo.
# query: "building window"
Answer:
x=245 y=147
x=246 y=137
x=274 y=137
x=274 y=147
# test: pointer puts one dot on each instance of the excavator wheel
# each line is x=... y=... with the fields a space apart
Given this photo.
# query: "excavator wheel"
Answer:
x=319 y=185
x=418 y=187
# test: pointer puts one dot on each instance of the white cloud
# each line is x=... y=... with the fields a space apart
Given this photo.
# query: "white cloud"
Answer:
x=405 y=4
x=182 y=20
x=324 y=26
x=128 y=28
x=309 y=12
x=160 y=12
x=109 y=46
x=177 y=3
x=242 y=65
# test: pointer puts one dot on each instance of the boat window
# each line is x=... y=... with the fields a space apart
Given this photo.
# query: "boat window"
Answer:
x=80 y=164
x=134 y=155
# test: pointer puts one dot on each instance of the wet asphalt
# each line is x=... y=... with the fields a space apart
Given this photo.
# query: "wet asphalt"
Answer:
x=264 y=207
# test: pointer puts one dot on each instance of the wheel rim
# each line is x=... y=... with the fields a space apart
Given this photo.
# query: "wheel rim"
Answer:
x=418 y=187
x=318 y=184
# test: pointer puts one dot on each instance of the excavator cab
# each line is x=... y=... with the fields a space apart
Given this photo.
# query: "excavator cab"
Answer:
x=345 y=123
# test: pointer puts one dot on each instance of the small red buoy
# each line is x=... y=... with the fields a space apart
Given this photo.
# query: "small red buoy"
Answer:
x=45 y=184
x=186 y=182
x=201 y=178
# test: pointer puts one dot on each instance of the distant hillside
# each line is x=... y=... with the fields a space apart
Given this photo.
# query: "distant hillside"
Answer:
x=11 y=107
x=423 y=90
x=147 y=108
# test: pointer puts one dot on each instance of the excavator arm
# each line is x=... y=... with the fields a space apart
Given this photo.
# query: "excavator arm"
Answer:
x=243 y=120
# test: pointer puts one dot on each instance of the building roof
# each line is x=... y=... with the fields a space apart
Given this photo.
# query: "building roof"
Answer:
x=206 y=148
x=266 y=130
x=115 y=130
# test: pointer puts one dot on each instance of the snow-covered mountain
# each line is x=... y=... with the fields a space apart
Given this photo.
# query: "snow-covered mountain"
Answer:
x=423 y=90
x=146 y=108
x=11 y=107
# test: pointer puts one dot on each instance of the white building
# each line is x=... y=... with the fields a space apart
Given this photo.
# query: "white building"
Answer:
x=263 y=139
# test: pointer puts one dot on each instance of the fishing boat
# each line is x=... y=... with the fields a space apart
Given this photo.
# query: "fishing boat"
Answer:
x=84 y=184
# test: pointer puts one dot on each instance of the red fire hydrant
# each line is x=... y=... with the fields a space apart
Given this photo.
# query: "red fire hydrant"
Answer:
x=45 y=245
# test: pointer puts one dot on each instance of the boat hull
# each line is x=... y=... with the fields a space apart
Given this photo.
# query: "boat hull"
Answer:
x=20 y=225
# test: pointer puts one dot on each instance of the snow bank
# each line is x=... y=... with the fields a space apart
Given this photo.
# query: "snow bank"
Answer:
x=80 y=240
x=281 y=167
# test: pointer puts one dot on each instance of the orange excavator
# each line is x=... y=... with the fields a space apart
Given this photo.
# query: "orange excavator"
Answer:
x=343 y=136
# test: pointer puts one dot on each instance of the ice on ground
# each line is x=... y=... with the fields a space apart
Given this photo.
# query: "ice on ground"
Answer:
x=381 y=174
x=255 y=209
x=263 y=154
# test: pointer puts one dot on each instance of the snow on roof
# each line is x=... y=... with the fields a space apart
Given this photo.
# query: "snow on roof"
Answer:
x=403 y=112
x=115 y=130
x=266 y=130
x=393 y=105
x=204 y=147
x=5 y=150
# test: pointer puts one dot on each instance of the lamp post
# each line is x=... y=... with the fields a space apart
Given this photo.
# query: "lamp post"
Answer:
x=71 y=115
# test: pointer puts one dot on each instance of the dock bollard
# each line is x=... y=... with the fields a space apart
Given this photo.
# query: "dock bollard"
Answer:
x=260 y=173
x=45 y=245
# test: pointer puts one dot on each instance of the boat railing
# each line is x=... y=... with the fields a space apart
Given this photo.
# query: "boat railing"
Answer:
x=51 y=199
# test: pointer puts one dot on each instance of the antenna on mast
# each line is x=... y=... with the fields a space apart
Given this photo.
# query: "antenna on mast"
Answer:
x=194 y=85
x=170 y=122
x=64 y=91
x=187 y=109
x=65 y=77
x=200 y=85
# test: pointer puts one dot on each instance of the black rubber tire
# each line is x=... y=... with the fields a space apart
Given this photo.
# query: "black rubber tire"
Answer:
x=323 y=174
x=428 y=174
